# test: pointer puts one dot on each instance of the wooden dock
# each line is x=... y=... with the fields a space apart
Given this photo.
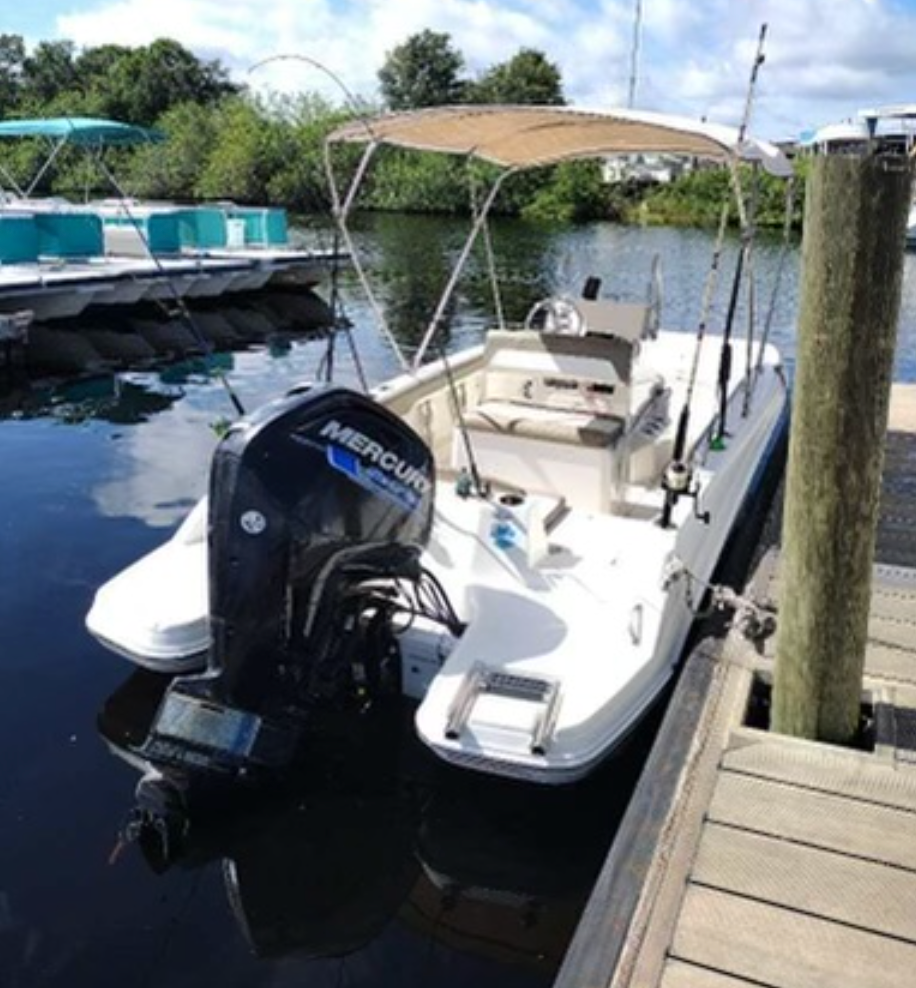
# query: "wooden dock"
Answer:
x=754 y=859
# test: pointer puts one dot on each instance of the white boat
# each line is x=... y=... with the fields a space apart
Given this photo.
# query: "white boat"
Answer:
x=530 y=531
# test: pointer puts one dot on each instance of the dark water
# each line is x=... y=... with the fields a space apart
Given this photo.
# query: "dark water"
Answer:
x=377 y=867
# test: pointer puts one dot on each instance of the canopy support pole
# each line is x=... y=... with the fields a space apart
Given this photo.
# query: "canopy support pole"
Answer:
x=55 y=151
x=478 y=225
x=341 y=211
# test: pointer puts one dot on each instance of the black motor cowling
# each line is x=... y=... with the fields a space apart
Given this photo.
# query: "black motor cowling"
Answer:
x=310 y=488
x=317 y=500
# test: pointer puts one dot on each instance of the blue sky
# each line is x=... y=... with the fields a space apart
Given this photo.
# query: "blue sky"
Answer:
x=825 y=59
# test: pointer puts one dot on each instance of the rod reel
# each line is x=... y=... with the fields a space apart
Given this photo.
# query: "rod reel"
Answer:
x=679 y=480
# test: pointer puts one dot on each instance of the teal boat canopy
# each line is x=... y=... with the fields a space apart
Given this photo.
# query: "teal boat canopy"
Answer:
x=85 y=131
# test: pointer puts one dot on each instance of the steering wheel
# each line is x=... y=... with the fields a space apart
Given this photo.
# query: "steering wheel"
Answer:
x=558 y=314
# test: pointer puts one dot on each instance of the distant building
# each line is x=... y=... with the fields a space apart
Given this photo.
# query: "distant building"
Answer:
x=644 y=169
x=891 y=128
x=844 y=137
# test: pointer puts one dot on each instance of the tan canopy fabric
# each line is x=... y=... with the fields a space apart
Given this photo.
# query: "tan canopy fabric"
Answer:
x=529 y=136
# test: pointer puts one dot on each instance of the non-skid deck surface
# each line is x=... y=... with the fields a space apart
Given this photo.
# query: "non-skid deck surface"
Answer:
x=785 y=863
x=896 y=543
x=891 y=623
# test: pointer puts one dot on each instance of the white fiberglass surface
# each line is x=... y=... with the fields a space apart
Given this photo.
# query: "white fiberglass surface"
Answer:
x=158 y=607
x=587 y=614
x=590 y=613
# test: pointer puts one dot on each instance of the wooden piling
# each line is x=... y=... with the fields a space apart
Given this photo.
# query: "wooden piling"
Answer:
x=852 y=256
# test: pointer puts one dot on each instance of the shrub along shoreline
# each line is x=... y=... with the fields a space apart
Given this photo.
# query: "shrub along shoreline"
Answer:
x=270 y=152
x=224 y=141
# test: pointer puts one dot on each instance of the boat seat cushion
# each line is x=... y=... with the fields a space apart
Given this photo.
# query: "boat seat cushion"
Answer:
x=612 y=355
x=558 y=425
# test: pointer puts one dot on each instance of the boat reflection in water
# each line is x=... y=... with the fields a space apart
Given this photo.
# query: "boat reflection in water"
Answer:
x=370 y=837
x=144 y=336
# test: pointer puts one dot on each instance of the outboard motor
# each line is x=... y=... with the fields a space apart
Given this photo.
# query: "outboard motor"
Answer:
x=319 y=502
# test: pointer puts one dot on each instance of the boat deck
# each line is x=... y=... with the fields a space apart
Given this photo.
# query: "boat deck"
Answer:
x=754 y=859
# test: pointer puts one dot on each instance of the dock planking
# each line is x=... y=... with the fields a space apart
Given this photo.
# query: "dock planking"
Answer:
x=754 y=943
x=773 y=861
x=780 y=808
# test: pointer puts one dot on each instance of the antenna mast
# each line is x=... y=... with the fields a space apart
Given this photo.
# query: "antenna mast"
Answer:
x=634 y=54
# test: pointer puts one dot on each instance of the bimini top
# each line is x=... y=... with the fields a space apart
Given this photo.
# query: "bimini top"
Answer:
x=530 y=136
x=84 y=131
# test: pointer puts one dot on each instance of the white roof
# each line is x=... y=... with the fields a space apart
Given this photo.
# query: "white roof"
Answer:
x=900 y=110
x=529 y=136
x=846 y=131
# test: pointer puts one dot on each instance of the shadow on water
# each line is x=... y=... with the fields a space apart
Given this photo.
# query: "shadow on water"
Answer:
x=378 y=856
x=106 y=340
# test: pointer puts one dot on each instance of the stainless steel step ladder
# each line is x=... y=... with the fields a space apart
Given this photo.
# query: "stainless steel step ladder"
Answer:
x=532 y=689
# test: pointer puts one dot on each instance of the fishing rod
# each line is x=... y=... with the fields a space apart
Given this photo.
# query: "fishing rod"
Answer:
x=777 y=281
x=488 y=250
x=678 y=475
x=340 y=208
x=747 y=235
x=751 y=327
x=474 y=484
x=676 y=480
x=180 y=305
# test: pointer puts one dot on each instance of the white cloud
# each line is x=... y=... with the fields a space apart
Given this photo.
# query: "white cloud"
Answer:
x=199 y=24
x=162 y=469
x=824 y=59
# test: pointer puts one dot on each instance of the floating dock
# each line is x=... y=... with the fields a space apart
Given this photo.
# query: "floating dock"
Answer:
x=749 y=858
x=56 y=290
x=57 y=259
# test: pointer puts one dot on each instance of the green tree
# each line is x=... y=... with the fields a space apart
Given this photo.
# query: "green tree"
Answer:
x=424 y=71
x=172 y=170
x=145 y=82
x=100 y=79
x=248 y=150
x=574 y=192
x=301 y=124
x=12 y=56
x=528 y=77
x=418 y=183
x=49 y=71
x=696 y=198
x=259 y=150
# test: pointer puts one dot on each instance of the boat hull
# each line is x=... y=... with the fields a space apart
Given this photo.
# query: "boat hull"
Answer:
x=573 y=627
